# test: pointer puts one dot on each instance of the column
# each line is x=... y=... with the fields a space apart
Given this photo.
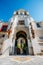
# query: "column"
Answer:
x=29 y=47
x=13 y=46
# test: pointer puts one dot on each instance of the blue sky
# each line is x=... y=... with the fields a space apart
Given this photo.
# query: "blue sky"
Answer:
x=34 y=7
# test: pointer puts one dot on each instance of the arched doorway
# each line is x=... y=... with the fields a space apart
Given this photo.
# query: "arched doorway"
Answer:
x=21 y=44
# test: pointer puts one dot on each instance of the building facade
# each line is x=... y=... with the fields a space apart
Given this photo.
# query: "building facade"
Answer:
x=21 y=35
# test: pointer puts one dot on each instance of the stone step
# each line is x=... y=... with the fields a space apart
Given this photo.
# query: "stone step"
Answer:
x=40 y=53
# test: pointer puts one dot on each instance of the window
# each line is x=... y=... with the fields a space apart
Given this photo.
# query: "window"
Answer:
x=16 y=13
x=41 y=37
x=38 y=25
x=4 y=28
x=21 y=22
x=25 y=13
x=21 y=13
x=3 y=35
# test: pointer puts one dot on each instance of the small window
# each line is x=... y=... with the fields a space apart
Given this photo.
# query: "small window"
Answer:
x=25 y=13
x=41 y=37
x=21 y=13
x=4 y=28
x=38 y=25
x=16 y=13
x=3 y=35
x=21 y=22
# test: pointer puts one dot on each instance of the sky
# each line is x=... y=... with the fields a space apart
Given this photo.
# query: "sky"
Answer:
x=34 y=7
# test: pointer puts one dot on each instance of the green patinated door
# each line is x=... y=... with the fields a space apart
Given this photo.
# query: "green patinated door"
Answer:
x=21 y=45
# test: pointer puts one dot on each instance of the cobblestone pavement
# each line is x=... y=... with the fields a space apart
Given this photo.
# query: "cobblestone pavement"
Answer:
x=21 y=60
